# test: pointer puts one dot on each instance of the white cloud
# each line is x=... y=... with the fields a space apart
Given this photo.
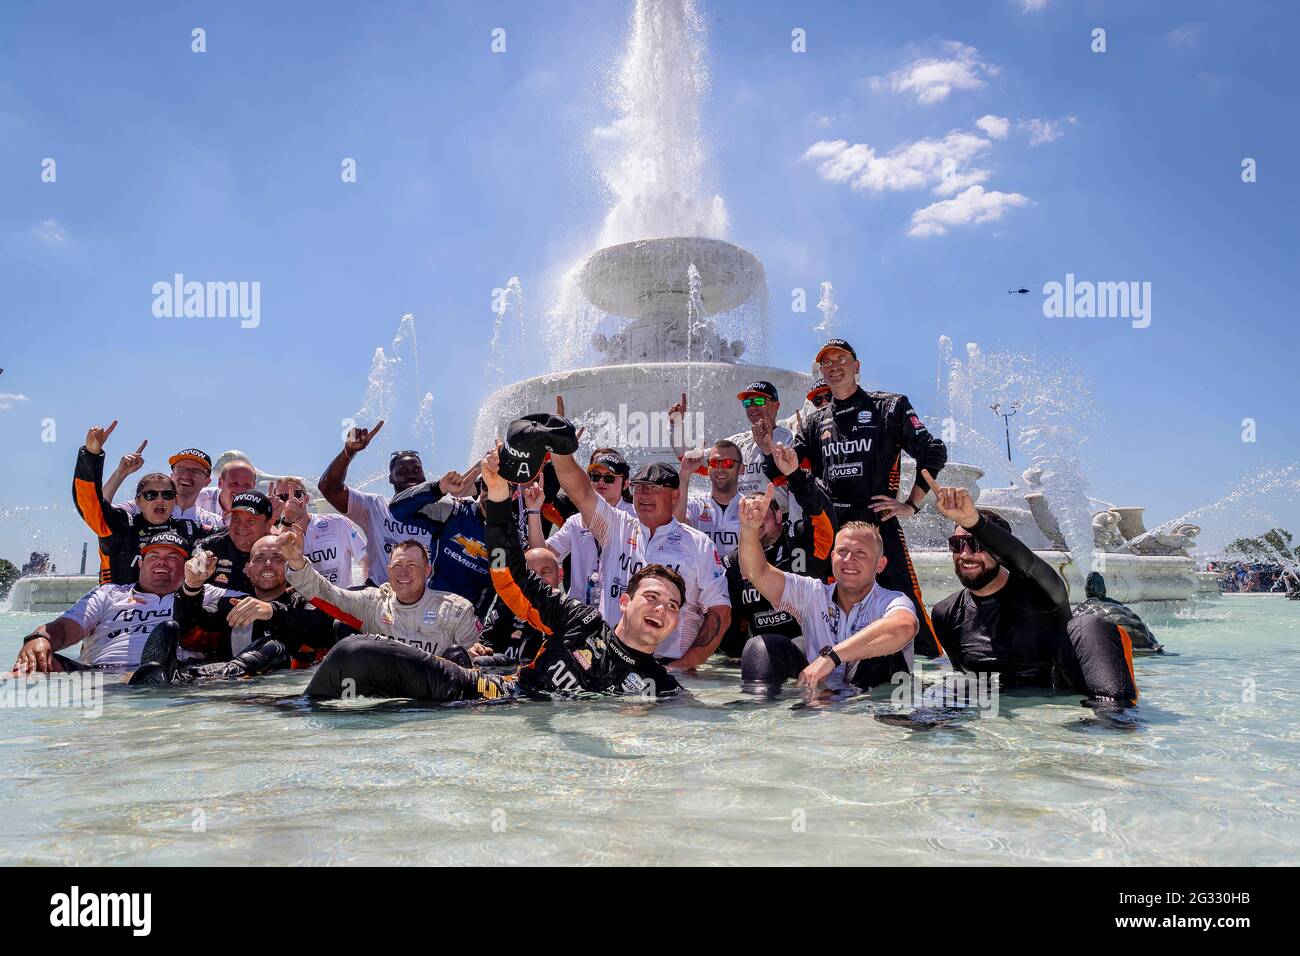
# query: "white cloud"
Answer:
x=972 y=207
x=1045 y=131
x=1032 y=6
x=932 y=80
x=994 y=126
x=8 y=400
x=50 y=231
x=938 y=164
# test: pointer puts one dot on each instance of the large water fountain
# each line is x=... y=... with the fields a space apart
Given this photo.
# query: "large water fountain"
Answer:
x=665 y=305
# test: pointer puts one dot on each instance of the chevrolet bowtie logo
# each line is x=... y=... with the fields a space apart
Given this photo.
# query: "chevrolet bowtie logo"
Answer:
x=471 y=546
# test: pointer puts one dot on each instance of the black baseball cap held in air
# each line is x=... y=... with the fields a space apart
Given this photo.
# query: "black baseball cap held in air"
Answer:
x=528 y=442
x=254 y=502
x=191 y=454
x=165 y=539
x=841 y=344
x=766 y=389
x=657 y=473
x=612 y=460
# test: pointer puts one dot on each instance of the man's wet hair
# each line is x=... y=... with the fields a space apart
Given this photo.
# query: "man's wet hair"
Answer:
x=154 y=476
x=989 y=515
x=412 y=543
x=661 y=571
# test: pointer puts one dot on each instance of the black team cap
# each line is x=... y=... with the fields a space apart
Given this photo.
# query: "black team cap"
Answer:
x=657 y=473
x=254 y=502
x=766 y=389
x=841 y=344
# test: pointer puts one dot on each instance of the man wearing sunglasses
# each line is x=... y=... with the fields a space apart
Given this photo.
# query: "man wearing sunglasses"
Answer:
x=370 y=511
x=1012 y=616
x=718 y=515
x=820 y=394
x=121 y=530
x=853 y=444
x=332 y=542
x=609 y=473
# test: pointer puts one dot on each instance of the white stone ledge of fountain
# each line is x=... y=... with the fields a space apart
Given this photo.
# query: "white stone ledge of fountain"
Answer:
x=49 y=594
x=628 y=397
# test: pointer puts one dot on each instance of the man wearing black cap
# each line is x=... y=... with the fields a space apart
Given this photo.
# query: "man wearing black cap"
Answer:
x=651 y=536
x=112 y=622
x=853 y=445
x=370 y=511
x=820 y=394
x=249 y=519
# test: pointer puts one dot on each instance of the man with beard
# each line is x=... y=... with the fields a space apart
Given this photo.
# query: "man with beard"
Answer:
x=370 y=511
x=854 y=631
x=113 y=621
x=853 y=445
x=802 y=546
x=580 y=653
x=272 y=628
x=122 y=528
x=1013 y=618
x=718 y=515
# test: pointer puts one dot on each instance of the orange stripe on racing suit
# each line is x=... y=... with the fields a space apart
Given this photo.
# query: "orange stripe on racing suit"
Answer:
x=1128 y=658
x=514 y=598
x=86 y=497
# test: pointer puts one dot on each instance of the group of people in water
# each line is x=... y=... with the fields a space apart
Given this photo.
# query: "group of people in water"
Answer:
x=535 y=574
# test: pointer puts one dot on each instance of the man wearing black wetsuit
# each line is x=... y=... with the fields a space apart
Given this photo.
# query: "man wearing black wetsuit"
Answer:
x=853 y=444
x=802 y=546
x=581 y=654
x=1013 y=616
x=122 y=531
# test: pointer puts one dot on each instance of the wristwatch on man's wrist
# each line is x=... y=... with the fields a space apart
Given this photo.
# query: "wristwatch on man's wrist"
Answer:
x=829 y=651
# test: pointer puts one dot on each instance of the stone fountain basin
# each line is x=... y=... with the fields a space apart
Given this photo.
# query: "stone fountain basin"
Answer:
x=649 y=276
x=639 y=395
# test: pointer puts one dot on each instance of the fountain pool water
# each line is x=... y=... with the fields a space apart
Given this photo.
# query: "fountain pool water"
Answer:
x=717 y=777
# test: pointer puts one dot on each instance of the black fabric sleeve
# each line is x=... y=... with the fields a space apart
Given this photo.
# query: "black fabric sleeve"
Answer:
x=188 y=611
x=525 y=594
x=1013 y=554
x=930 y=453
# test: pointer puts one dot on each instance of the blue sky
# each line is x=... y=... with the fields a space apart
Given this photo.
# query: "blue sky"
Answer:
x=474 y=167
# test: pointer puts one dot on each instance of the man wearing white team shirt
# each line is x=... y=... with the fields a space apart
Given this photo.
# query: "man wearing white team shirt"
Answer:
x=653 y=535
x=369 y=510
x=609 y=472
x=112 y=621
x=761 y=405
x=718 y=515
x=854 y=630
x=332 y=542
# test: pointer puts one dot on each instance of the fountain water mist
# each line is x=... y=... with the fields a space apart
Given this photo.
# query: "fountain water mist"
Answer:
x=652 y=157
x=825 y=329
x=393 y=394
x=508 y=344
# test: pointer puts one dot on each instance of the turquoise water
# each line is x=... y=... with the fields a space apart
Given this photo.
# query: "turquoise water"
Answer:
x=222 y=776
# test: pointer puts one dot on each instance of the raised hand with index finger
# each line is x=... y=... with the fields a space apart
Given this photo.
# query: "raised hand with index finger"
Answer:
x=954 y=503
x=96 y=436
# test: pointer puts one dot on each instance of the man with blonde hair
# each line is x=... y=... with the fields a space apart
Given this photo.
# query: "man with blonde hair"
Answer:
x=855 y=632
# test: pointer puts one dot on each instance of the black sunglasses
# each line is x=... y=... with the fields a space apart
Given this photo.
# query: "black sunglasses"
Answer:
x=605 y=479
x=959 y=541
x=297 y=493
x=402 y=454
x=154 y=494
x=819 y=400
